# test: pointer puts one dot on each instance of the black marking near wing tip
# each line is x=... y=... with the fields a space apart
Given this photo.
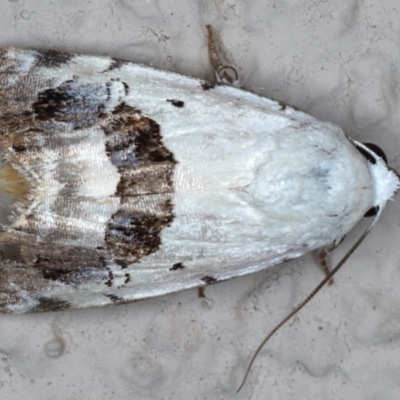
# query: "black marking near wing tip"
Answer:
x=176 y=103
x=52 y=58
x=177 y=266
x=209 y=280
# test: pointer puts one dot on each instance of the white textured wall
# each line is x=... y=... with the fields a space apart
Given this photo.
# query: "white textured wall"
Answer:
x=340 y=61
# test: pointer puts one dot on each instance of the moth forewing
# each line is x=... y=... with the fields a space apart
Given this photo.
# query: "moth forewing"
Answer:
x=130 y=182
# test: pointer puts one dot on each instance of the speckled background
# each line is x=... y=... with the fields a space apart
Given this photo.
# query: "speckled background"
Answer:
x=339 y=60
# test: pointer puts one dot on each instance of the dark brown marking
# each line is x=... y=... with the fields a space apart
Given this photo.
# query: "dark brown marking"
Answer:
x=283 y=105
x=207 y=85
x=201 y=292
x=66 y=258
x=126 y=87
x=52 y=58
x=121 y=263
x=136 y=136
x=76 y=276
x=56 y=274
x=127 y=278
x=69 y=265
x=74 y=103
x=135 y=146
x=110 y=279
x=147 y=179
x=123 y=108
x=116 y=63
x=177 y=266
x=148 y=142
x=176 y=103
x=115 y=299
x=59 y=118
x=108 y=89
x=47 y=304
x=132 y=236
x=209 y=280
x=19 y=148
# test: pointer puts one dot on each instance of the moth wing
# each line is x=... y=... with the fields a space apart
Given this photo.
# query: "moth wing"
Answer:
x=125 y=182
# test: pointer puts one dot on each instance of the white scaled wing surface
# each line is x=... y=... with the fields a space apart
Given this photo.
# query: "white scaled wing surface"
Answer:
x=127 y=182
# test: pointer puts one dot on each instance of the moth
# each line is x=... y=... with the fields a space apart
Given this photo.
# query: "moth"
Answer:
x=121 y=182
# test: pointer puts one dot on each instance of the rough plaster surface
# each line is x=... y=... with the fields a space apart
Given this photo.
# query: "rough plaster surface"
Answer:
x=339 y=60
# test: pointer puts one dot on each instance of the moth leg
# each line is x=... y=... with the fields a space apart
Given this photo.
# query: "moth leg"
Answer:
x=323 y=256
x=323 y=262
x=225 y=74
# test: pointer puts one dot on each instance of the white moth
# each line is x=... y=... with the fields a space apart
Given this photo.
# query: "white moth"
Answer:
x=122 y=182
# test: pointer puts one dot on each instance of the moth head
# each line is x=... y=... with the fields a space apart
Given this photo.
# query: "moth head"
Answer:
x=386 y=181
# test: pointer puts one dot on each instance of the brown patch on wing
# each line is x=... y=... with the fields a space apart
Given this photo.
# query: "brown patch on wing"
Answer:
x=69 y=265
x=22 y=287
x=37 y=115
x=34 y=110
x=74 y=103
x=69 y=258
x=131 y=236
x=52 y=58
x=134 y=145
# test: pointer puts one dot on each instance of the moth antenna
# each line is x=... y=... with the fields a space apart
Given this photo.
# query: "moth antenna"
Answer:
x=327 y=278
